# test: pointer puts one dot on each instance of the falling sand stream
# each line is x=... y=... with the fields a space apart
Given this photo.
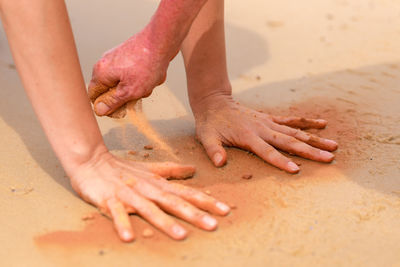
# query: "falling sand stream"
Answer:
x=135 y=116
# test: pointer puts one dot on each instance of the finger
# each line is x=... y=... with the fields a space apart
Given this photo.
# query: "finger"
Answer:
x=294 y=146
x=170 y=169
x=149 y=211
x=102 y=80
x=193 y=196
x=110 y=101
x=313 y=140
x=270 y=154
x=214 y=149
x=300 y=122
x=95 y=89
x=121 y=220
x=177 y=206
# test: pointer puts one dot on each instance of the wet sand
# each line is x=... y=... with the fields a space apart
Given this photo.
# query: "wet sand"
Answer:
x=337 y=60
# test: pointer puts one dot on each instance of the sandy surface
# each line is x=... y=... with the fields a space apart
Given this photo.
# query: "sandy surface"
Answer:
x=337 y=59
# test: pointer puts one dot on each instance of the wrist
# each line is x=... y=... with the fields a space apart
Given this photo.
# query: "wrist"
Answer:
x=157 y=42
x=80 y=156
x=201 y=100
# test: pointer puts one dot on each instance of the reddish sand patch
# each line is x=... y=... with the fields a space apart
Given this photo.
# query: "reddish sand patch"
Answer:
x=269 y=188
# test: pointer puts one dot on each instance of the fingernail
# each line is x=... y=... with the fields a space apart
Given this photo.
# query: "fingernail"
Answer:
x=179 y=231
x=127 y=236
x=293 y=167
x=326 y=155
x=222 y=207
x=101 y=108
x=217 y=159
x=331 y=142
x=210 y=221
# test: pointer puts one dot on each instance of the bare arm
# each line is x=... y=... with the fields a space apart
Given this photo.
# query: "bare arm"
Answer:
x=222 y=121
x=137 y=66
x=204 y=55
x=44 y=51
x=42 y=44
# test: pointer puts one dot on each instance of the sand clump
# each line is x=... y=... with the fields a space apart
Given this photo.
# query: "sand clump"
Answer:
x=148 y=147
x=132 y=152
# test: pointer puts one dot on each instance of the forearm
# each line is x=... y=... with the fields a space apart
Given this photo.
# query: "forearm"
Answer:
x=170 y=25
x=204 y=54
x=44 y=51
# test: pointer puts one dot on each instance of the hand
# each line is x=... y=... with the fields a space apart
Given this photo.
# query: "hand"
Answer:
x=127 y=72
x=222 y=121
x=118 y=187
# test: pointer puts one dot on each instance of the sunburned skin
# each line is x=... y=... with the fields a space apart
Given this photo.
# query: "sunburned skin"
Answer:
x=139 y=64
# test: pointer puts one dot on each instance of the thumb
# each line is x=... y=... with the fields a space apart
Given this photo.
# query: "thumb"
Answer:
x=214 y=149
x=110 y=101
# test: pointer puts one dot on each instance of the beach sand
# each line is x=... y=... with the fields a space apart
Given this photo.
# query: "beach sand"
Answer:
x=337 y=59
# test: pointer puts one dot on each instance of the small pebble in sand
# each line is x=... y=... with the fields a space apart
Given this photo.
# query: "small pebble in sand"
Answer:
x=87 y=217
x=247 y=176
x=101 y=252
x=132 y=152
x=148 y=147
x=176 y=151
x=258 y=77
x=146 y=155
x=147 y=233
x=208 y=192
x=21 y=191
x=232 y=206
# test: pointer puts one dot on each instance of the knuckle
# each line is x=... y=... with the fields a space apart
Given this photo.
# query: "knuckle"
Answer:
x=271 y=153
x=198 y=215
x=123 y=92
x=100 y=66
x=269 y=149
x=129 y=92
x=113 y=100
x=161 y=78
x=147 y=93
x=299 y=134
x=135 y=94
x=292 y=141
x=168 y=198
x=201 y=197
x=259 y=125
